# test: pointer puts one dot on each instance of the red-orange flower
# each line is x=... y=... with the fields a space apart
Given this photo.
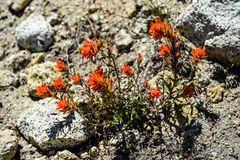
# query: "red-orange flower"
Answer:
x=146 y=84
x=155 y=93
x=199 y=54
x=76 y=79
x=43 y=91
x=90 y=48
x=126 y=69
x=164 y=50
x=188 y=91
x=59 y=84
x=98 y=82
x=63 y=105
x=160 y=29
x=139 y=57
x=61 y=66
x=156 y=29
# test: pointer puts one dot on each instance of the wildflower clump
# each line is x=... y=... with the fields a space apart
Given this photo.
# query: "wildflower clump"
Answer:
x=98 y=83
x=118 y=95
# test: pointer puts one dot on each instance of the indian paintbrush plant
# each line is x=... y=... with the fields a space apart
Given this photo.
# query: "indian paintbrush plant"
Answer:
x=118 y=96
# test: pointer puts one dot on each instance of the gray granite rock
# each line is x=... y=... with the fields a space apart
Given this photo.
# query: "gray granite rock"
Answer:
x=34 y=33
x=123 y=39
x=8 y=78
x=47 y=128
x=216 y=25
x=66 y=155
x=29 y=152
x=19 y=60
x=8 y=144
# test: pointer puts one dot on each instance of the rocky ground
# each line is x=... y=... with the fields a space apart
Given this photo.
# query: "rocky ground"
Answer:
x=25 y=61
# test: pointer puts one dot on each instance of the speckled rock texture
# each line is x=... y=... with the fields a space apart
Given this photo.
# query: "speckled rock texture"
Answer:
x=8 y=144
x=47 y=128
x=34 y=33
x=214 y=24
x=39 y=74
x=66 y=155
x=8 y=78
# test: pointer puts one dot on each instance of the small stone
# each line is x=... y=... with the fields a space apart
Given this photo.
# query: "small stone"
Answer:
x=93 y=8
x=8 y=78
x=47 y=128
x=34 y=33
x=19 y=61
x=18 y=5
x=85 y=155
x=94 y=17
x=39 y=58
x=130 y=8
x=66 y=155
x=102 y=147
x=94 y=151
x=216 y=94
x=29 y=152
x=140 y=28
x=53 y=19
x=123 y=40
x=8 y=144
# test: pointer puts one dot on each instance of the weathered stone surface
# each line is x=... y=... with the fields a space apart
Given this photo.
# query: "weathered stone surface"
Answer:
x=18 y=5
x=8 y=144
x=130 y=8
x=40 y=73
x=34 y=33
x=216 y=25
x=47 y=128
x=29 y=152
x=8 y=78
x=19 y=60
x=66 y=155
x=123 y=39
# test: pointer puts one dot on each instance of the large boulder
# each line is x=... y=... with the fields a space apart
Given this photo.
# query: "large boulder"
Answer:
x=8 y=144
x=214 y=24
x=34 y=33
x=45 y=127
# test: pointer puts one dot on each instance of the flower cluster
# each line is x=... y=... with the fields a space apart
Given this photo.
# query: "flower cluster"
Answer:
x=61 y=66
x=126 y=69
x=119 y=94
x=198 y=54
x=98 y=82
x=178 y=89
x=44 y=91
x=64 y=106
x=160 y=29
x=59 y=89
x=90 y=48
